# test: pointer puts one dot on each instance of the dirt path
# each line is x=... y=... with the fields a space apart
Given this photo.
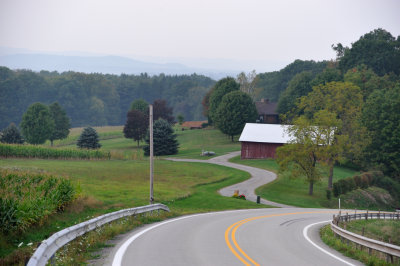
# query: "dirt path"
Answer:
x=258 y=178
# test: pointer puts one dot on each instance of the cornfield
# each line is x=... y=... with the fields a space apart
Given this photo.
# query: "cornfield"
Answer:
x=28 y=198
x=31 y=151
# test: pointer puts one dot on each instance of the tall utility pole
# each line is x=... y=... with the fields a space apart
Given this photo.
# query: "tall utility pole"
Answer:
x=151 y=152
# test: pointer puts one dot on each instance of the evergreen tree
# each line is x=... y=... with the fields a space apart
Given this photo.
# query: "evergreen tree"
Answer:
x=11 y=135
x=89 y=139
x=164 y=139
x=61 y=122
x=37 y=124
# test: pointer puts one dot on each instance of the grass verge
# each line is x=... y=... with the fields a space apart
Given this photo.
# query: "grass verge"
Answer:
x=115 y=184
x=294 y=192
x=382 y=230
x=350 y=250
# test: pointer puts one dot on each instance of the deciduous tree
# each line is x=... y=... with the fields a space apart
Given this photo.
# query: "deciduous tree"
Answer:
x=11 y=135
x=61 y=122
x=37 y=124
x=163 y=111
x=310 y=138
x=248 y=83
x=299 y=86
x=381 y=116
x=140 y=105
x=344 y=102
x=235 y=110
x=136 y=125
x=221 y=88
x=377 y=49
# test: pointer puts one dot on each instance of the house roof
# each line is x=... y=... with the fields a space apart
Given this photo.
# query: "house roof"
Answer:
x=266 y=108
x=193 y=124
x=267 y=133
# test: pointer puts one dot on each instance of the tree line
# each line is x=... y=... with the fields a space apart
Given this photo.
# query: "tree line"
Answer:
x=97 y=99
x=343 y=111
x=349 y=113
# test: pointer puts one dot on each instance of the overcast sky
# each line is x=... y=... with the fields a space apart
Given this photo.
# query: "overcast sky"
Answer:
x=255 y=33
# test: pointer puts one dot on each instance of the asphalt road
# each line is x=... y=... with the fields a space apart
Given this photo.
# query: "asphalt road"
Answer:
x=244 y=237
x=258 y=178
x=277 y=236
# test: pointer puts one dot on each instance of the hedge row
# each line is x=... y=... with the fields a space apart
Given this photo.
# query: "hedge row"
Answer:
x=365 y=180
x=31 y=151
x=28 y=198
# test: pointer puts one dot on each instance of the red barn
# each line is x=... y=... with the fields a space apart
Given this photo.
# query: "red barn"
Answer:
x=261 y=140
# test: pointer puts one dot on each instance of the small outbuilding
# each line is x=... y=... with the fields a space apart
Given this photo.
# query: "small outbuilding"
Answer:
x=261 y=140
x=267 y=113
x=193 y=124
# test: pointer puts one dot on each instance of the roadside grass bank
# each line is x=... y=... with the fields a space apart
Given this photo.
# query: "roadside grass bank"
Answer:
x=350 y=250
x=372 y=198
x=294 y=192
x=108 y=186
x=382 y=230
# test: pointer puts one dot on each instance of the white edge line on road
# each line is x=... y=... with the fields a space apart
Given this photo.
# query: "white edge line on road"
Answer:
x=305 y=233
x=117 y=261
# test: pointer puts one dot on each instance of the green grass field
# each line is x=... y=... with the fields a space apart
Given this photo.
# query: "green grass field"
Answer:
x=295 y=191
x=123 y=182
x=192 y=142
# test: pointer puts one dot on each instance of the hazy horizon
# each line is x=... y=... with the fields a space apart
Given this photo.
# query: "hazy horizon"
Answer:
x=221 y=35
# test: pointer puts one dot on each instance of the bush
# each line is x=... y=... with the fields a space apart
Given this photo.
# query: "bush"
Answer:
x=357 y=180
x=351 y=184
x=373 y=178
x=28 y=198
x=329 y=194
x=336 y=189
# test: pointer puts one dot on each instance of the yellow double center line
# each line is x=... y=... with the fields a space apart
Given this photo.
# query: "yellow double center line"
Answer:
x=230 y=236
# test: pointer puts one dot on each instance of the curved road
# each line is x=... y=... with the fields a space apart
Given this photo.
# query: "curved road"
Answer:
x=278 y=236
x=258 y=178
x=244 y=237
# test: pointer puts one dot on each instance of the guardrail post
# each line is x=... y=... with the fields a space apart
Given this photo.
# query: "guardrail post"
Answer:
x=389 y=258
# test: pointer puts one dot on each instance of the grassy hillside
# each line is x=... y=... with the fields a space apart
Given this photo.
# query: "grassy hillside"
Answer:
x=295 y=191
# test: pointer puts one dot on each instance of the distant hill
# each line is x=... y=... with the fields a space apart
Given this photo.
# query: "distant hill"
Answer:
x=100 y=64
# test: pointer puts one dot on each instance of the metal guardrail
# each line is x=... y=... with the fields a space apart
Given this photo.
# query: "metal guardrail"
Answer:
x=389 y=249
x=50 y=246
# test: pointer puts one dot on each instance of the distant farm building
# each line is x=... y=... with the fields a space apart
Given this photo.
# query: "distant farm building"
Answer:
x=267 y=113
x=193 y=124
x=261 y=140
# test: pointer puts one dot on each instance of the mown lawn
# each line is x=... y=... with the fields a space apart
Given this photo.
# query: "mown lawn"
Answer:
x=294 y=192
x=192 y=142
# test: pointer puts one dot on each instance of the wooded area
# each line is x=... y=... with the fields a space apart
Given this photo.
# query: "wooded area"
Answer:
x=97 y=99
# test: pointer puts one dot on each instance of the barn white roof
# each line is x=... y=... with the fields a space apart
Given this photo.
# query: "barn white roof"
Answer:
x=269 y=133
